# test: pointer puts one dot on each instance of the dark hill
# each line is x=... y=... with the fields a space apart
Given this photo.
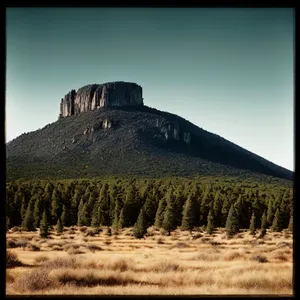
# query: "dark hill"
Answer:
x=130 y=141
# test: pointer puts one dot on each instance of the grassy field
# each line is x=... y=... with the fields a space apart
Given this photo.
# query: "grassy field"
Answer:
x=81 y=261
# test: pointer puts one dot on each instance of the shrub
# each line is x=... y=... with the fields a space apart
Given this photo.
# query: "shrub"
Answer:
x=160 y=241
x=259 y=258
x=72 y=230
x=9 y=277
x=33 y=247
x=22 y=243
x=119 y=265
x=12 y=260
x=181 y=245
x=93 y=247
x=88 y=278
x=232 y=256
x=203 y=228
x=151 y=231
x=166 y=266
x=57 y=248
x=35 y=280
x=61 y=263
x=205 y=257
x=11 y=244
x=196 y=236
x=92 y=232
x=204 y=239
x=56 y=243
x=16 y=228
x=108 y=232
x=83 y=229
x=163 y=231
x=260 y=241
x=286 y=233
x=41 y=259
x=73 y=246
x=281 y=256
x=215 y=243
x=73 y=251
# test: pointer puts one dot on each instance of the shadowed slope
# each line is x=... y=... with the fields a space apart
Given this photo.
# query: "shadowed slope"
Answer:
x=130 y=141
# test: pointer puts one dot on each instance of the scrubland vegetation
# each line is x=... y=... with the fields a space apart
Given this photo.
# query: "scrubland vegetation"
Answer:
x=82 y=260
x=149 y=236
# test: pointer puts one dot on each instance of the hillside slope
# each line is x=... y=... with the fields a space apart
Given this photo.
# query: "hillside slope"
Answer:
x=130 y=141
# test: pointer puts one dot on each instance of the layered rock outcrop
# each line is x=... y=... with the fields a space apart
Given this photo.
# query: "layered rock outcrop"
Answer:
x=94 y=96
x=172 y=131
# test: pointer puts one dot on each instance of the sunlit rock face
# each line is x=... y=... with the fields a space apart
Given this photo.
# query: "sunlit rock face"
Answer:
x=94 y=96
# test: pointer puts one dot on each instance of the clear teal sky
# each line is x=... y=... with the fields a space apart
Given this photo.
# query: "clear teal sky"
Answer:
x=227 y=70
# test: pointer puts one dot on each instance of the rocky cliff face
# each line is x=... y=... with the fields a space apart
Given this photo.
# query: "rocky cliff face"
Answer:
x=91 y=97
x=172 y=131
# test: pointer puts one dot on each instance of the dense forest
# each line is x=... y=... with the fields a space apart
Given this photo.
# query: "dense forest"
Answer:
x=206 y=202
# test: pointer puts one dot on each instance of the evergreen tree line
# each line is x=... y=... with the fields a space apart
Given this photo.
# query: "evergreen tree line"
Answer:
x=165 y=203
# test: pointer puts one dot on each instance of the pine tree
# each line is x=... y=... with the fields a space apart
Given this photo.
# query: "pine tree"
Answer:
x=104 y=205
x=225 y=210
x=140 y=227
x=159 y=216
x=169 y=222
x=80 y=209
x=56 y=205
x=252 y=225
x=277 y=221
x=74 y=206
x=217 y=209
x=150 y=209
x=204 y=206
x=290 y=227
x=44 y=226
x=285 y=208
x=24 y=205
x=115 y=223
x=8 y=225
x=16 y=217
x=188 y=219
x=131 y=206
x=59 y=226
x=121 y=219
x=65 y=216
x=48 y=193
x=95 y=217
x=232 y=222
x=85 y=218
x=28 y=222
x=210 y=223
x=113 y=192
x=37 y=212
x=264 y=224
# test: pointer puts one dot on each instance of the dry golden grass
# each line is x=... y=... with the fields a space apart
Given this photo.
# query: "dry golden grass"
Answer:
x=84 y=261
